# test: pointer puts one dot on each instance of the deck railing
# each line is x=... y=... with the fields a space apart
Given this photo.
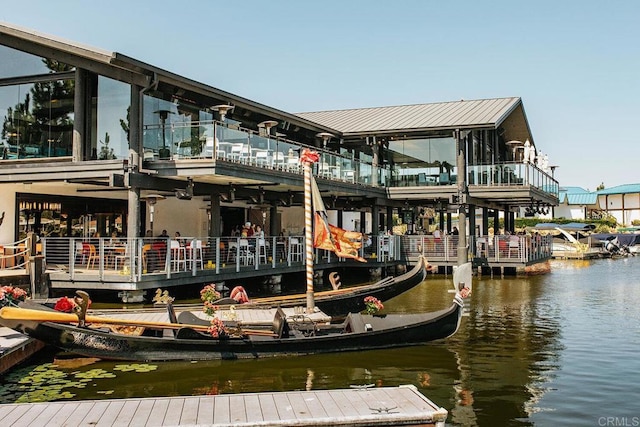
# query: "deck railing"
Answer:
x=517 y=249
x=131 y=259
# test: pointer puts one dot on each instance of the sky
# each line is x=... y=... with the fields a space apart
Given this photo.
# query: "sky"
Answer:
x=574 y=63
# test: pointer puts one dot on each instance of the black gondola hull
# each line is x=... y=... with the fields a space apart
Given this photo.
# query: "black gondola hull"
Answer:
x=393 y=330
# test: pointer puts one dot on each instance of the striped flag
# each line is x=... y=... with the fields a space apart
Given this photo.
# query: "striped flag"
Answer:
x=345 y=244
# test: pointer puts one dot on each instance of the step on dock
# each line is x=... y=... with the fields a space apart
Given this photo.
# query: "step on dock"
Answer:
x=382 y=406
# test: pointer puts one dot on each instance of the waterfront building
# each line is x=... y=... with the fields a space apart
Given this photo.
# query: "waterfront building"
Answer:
x=99 y=147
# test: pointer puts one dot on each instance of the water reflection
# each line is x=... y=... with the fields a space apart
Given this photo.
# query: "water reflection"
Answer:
x=545 y=350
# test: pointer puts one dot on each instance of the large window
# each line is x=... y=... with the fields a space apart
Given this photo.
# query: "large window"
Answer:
x=426 y=155
x=37 y=117
x=112 y=139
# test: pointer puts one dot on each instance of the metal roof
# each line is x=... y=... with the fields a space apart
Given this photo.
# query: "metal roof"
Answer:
x=582 y=199
x=439 y=115
x=577 y=196
x=621 y=189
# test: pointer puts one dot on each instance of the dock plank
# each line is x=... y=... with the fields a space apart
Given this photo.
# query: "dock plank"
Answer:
x=14 y=415
x=345 y=405
x=174 y=411
x=92 y=417
x=189 y=414
x=328 y=404
x=63 y=413
x=126 y=413
x=31 y=414
x=285 y=410
x=253 y=412
x=238 y=411
x=206 y=408
x=44 y=417
x=158 y=412
x=299 y=406
x=268 y=407
x=79 y=413
x=221 y=415
x=142 y=413
x=110 y=414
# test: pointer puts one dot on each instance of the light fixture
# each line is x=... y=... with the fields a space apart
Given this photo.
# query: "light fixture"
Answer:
x=164 y=152
x=186 y=193
x=223 y=109
x=326 y=136
x=151 y=200
x=267 y=125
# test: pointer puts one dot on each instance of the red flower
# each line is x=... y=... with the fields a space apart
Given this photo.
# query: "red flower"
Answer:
x=65 y=304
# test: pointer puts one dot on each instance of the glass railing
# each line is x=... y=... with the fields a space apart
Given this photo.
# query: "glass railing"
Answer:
x=500 y=174
x=512 y=174
x=213 y=140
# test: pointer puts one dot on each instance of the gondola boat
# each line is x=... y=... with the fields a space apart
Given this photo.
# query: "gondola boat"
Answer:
x=191 y=341
x=342 y=301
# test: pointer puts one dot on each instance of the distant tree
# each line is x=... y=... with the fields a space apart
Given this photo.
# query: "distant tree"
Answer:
x=43 y=117
x=106 y=152
x=124 y=124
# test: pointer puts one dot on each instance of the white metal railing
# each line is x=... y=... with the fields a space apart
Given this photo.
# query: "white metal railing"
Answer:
x=131 y=259
x=499 y=248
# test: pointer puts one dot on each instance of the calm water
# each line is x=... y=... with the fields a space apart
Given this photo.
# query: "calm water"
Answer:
x=557 y=349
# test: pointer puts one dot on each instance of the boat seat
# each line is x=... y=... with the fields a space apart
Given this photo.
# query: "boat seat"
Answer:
x=280 y=324
x=354 y=323
x=172 y=317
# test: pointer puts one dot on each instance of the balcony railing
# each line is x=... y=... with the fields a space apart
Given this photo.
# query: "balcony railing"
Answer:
x=215 y=140
x=493 y=175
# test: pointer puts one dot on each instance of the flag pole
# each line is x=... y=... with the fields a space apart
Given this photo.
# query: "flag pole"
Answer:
x=308 y=235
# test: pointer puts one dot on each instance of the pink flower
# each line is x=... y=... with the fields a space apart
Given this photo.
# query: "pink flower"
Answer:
x=217 y=328
x=372 y=304
x=11 y=295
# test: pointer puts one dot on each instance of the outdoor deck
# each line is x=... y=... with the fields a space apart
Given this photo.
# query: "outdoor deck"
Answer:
x=402 y=405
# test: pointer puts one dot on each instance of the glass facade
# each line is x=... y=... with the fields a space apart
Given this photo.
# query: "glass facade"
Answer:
x=422 y=161
x=37 y=117
x=113 y=101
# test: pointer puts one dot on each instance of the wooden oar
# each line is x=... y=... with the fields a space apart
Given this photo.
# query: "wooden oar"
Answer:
x=16 y=313
x=303 y=297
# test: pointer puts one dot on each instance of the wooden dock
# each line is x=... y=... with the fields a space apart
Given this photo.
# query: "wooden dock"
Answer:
x=383 y=406
x=15 y=348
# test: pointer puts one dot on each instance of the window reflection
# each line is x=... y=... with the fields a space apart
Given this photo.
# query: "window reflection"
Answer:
x=113 y=119
x=37 y=119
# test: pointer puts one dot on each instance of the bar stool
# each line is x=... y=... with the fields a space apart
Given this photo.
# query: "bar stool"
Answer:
x=178 y=255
